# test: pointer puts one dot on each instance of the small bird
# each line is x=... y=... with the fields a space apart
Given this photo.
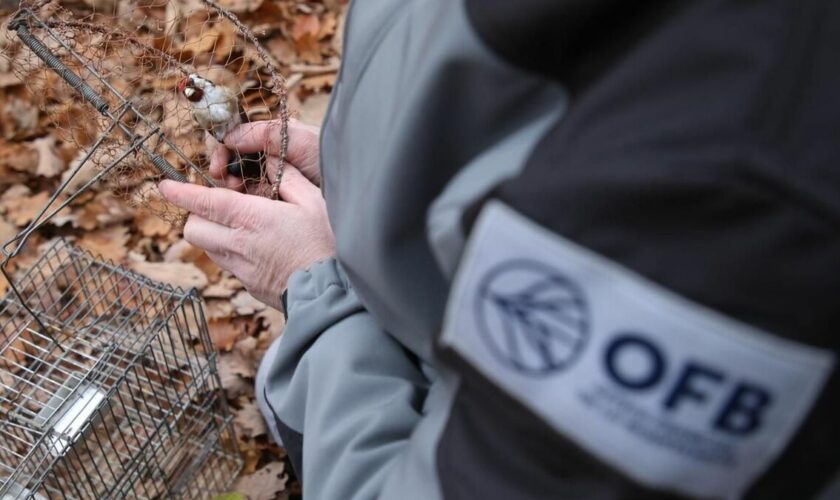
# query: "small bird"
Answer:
x=216 y=109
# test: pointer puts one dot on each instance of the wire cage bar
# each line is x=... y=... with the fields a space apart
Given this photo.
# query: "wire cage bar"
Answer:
x=119 y=397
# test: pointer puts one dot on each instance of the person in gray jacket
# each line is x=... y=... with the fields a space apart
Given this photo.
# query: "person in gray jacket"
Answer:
x=560 y=249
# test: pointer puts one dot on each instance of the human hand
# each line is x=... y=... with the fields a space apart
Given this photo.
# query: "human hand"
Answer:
x=303 y=151
x=261 y=241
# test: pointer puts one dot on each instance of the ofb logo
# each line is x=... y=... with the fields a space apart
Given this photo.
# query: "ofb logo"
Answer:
x=532 y=318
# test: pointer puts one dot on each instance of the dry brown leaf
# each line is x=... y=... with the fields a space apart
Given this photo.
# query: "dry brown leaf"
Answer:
x=20 y=210
x=9 y=80
x=264 y=484
x=240 y=364
x=177 y=274
x=63 y=218
x=329 y=23
x=249 y=421
x=115 y=209
x=273 y=321
x=103 y=210
x=251 y=453
x=20 y=118
x=233 y=371
x=306 y=32
x=85 y=173
x=319 y=82
x=50 y=164
x=217 y=309
x=259 y=450
x=13 y=356
x=313 y=109
x=224 y=288
x=151 y=225
x=102 y=5
x=241 y=6
x=306 y=26
x=19 y=157
x=331 y=66
x=210 y=268
x=182 y=251
x=218 y=40
x=110 y=243
x=282 y=50
x=7 y=231
x=14 y=192
x=87 y=217
x=246 y=304
x=223 y=334
x=338 y=36
x=246 y=347
x=9 y=177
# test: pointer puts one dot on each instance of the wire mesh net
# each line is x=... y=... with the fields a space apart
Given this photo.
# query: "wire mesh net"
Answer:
x=119 y=397
x=108 y=79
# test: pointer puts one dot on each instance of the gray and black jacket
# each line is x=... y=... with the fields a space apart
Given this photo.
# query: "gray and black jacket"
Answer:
x=586 y=249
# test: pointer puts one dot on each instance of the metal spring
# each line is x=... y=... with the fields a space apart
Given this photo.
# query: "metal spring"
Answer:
x=55 y=64
x=90 y=95
x=166 y=168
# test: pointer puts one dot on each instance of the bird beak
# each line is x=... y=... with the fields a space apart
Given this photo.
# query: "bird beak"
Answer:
x=189 y=91
x=182 y=85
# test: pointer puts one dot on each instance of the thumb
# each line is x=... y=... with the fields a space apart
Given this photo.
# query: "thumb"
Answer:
x=296 y=188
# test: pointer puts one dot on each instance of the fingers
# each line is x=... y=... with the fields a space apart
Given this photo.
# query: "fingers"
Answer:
x=213 y=238
x=262 y=187
x=218 y=155
x=219 y=159
x=272 y=163
x=267 y=136
x=297 y=189
x=222 y=206
x=256 y=136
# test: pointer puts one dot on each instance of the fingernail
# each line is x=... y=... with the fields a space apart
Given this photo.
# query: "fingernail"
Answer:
x=164 y=186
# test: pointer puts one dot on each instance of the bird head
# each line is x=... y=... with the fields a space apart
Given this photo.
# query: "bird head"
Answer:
x=192 y=87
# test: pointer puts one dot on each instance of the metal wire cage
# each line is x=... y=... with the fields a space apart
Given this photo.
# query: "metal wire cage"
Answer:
x=110 y=389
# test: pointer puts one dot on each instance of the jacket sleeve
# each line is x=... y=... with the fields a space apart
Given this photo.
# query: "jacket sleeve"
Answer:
x=341 y=394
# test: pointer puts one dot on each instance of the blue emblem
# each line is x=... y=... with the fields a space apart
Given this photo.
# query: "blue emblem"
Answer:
x=532 y=318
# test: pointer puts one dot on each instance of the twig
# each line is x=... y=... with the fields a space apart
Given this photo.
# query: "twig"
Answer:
x=310 y=70
x=35 y=6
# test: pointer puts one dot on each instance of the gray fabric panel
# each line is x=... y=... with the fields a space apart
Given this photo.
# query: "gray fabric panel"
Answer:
x=409 y=66
x=414 y=474
x=260 y=389
x=318 y=299
x=350 y=389
x=363 y=400
x=504 y=160
x=336 y=375
x=291 y=439
x=417 y=101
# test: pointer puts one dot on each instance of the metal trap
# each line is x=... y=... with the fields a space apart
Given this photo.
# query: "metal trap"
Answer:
x=110 y=389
